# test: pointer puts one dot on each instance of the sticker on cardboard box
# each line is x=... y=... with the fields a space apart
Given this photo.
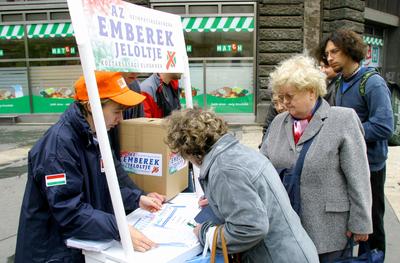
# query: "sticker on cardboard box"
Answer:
x=142 y=163
x=176 y=163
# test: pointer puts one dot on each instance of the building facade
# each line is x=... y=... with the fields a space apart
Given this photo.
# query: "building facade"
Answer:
x=232 y=48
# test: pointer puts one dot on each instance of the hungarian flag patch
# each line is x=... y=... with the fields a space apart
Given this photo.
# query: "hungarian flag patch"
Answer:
x=55 y=179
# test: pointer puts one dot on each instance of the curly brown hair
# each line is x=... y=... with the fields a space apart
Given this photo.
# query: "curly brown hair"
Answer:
x=192 y=132
x=348 y=41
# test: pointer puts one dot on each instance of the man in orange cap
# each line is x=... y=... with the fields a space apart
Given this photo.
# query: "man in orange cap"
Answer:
x=66 y=193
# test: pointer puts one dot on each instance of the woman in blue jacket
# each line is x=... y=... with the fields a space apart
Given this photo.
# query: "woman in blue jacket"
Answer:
x=66 y=193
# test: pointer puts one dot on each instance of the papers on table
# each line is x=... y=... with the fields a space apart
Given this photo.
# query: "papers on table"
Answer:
x=168 y=227
x=171 y=226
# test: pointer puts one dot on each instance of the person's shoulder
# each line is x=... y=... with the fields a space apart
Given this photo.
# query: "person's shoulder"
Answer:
x=148 y=85
x=341 y=111
x=281 y=117
x=50 y=138
x=342 y=115
x=371 y=76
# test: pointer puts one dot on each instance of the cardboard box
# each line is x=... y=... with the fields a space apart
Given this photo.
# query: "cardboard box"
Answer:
x=148 y=160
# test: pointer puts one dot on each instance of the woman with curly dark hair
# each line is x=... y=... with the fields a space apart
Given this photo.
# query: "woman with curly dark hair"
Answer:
x=243 y=190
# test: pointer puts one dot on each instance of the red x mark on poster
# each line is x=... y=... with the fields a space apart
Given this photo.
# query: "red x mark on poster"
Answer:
x=171 y=59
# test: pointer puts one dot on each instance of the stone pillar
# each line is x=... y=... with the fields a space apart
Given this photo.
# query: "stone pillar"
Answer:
x=343 y=14
x=312 y=24
x=279 y=36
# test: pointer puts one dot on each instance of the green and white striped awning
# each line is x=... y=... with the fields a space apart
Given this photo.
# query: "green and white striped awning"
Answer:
x=373 y=41
x=218 y=24
x=11 y=32
x=50 y=30
x=190 y=24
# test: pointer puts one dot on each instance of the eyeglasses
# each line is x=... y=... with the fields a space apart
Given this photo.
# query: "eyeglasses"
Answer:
x=332 y=53
x=288 y=97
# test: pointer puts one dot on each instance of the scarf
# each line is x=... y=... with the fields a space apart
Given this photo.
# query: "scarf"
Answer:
x=300 y=125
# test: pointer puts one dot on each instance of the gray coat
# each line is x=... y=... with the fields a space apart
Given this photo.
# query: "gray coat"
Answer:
x=335 y=186
x=245 y=192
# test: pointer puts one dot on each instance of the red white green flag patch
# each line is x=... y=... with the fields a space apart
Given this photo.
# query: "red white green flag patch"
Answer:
x=56 y=179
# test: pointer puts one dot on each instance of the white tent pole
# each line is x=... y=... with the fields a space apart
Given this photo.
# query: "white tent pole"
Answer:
x=187 y=83
x=87 y=60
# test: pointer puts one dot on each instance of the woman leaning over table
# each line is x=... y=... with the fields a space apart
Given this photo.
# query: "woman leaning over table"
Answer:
x=335 y=191
x=243 y=190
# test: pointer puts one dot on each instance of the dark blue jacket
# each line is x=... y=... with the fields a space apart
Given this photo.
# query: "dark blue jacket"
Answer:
x=80 y=208
x=375 y=112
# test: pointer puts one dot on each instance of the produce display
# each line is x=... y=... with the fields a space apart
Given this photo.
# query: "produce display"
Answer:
x=227 y=92
x=6 y=94
x=194 y=92
x=57 y=93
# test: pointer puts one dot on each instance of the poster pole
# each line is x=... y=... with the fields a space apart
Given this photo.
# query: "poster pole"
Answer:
x=187 y=83
x=88 y=66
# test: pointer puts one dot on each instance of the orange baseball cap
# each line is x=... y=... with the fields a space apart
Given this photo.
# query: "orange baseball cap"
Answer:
x=111 y=85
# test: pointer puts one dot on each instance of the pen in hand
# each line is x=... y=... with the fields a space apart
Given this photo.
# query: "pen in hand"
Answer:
x=191 y=225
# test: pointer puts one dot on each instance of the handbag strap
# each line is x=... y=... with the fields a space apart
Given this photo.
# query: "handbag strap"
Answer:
x=214 y=245
x=224 y=248
x=294 y=188
x=300 y=161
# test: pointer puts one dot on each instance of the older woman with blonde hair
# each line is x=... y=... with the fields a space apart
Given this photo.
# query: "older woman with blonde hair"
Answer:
x=243 y=190
x=335 y=191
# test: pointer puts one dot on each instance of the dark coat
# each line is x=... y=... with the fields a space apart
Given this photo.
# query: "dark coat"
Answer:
x=161 y=98
x=374 y=110
x=331 y=88
x=79 y=208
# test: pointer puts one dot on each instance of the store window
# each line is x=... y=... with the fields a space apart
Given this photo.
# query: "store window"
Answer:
x=219 y=36
x=14 y=97
x=51 y=41
x=197 y=80
x=52 y=87
x=373 y=37
x=374 y=52
x=11 y=42
x=220 y=43
x=225 y=45
x=229 y=86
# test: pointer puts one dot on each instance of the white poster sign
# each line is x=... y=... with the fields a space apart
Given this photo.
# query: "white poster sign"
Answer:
x=128 y=37
x=113 y=35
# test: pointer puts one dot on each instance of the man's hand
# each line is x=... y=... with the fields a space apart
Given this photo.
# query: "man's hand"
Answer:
x=150 y=203
x=162 y=198
x=140 y=242
x=357 y=237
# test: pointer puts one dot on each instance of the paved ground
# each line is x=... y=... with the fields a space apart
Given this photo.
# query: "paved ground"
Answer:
x=15 y=141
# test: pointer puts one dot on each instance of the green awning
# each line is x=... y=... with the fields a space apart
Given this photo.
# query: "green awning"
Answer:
x=190 y=24
x=50 y=30
x=218 y=24
x=373 y=41
x=11 y=32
